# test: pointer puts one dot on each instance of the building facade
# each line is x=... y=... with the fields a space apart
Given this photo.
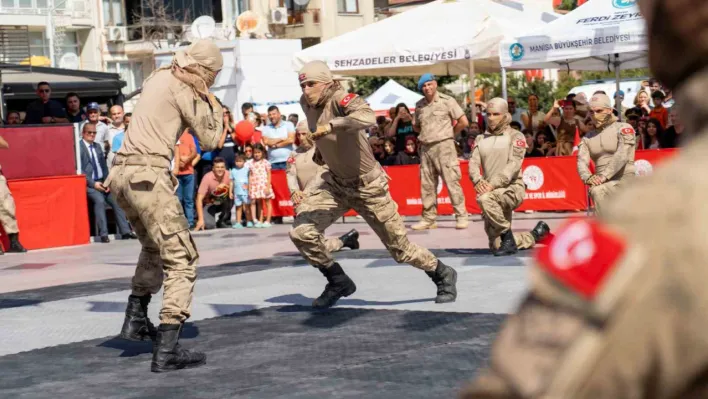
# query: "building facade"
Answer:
x=61 y=32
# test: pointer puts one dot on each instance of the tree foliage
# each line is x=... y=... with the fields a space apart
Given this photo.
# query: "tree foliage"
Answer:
x=366 y=85
x=519 y=87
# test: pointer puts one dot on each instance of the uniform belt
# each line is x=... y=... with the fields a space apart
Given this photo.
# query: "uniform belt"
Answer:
x=142 y=160
x=363 y=180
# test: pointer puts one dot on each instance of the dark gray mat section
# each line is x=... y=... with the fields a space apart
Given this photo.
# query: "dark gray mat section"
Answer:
x=282 y=352
x=285 y=259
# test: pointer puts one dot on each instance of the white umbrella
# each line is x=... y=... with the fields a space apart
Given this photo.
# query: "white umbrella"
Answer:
x=599 y=35
x=443 y=37
x=391 y=94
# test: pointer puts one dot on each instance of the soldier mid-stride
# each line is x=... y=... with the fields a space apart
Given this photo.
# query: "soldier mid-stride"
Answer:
x=617 y=307
x=173 y=97
x=354 y=180
x=501 y=189
x=611 y=147
x=301 y=171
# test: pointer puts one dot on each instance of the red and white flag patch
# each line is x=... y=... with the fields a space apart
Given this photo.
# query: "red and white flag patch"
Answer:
x=347 y=99
x=520 y=143
x=627 y=130
x=581 y=256
x=302 y=77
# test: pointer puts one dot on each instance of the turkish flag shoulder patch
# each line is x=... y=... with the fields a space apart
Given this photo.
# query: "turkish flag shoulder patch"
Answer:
x=347 y=99
x=581 y=256
x=291 y=160
x=627 y=130
x=520 y=143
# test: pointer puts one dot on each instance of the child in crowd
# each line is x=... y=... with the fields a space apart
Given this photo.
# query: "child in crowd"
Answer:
x=259 y=185
x=659 y=112
x=239 y=191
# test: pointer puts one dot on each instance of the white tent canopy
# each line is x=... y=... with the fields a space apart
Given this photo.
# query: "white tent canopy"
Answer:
x=443 y=37
x=391 y=94
x=599 y=35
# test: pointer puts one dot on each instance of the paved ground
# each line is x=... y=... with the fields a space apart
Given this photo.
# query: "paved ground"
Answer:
x=61 y=308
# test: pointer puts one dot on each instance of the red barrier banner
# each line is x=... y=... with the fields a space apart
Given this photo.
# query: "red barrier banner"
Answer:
x=51 y=212
x=38 y=151
x=646 y=160
x=552 y=184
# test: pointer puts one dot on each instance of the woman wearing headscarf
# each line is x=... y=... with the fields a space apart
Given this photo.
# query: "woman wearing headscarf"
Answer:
x=301 y=170
x=611 y=147
x=173 y=97
x=500 y=187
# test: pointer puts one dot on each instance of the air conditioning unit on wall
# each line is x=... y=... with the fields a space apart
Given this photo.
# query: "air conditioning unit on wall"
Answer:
x=116 y=34
x=279 y=16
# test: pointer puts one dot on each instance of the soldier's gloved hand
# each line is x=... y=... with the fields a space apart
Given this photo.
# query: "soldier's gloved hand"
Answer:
x=296 y=197
x=483 y=187
x=322 y=130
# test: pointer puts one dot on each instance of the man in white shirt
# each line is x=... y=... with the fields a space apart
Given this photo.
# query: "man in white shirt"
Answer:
x=114 y=129
x=93 y=110
x=279 y=136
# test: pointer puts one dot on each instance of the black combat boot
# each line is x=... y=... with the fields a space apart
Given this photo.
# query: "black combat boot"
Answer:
x=508 y=245
x=445 y=278
x=338 y=285
x=168 y=355
x=15 y=245
x=350 y=240
x=541 y=231
x=137 y=325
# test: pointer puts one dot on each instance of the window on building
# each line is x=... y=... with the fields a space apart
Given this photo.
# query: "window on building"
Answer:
x=113 y=13
x=348 y=6
x=130 y=71
x=39 y=45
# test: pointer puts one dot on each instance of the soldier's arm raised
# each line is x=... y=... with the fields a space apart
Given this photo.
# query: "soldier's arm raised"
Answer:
x=206 y=120
x=358 y=114
x=475 y=163
x=626 y=141
x=517 y=151
x=584 y=162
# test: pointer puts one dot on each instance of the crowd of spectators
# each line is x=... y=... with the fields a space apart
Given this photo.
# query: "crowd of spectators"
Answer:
x=237 y=174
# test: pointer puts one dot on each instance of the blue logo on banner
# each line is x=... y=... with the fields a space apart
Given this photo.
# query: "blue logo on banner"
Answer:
x=624 y=3
x=516 y=51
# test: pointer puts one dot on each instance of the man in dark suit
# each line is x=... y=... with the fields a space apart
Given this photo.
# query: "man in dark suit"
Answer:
x=93 y=165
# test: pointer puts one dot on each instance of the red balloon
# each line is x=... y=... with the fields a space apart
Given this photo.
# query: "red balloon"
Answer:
x=244 y=132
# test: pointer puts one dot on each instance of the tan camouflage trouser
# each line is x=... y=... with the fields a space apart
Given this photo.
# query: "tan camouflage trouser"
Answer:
x=440 y=159
x=7 y=208
x=601 y=193
x=150 y=204
x=497 y=209
x=328 y=199
x=331 y=244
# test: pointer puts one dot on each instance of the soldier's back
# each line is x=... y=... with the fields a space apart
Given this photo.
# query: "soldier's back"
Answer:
x=156 y=120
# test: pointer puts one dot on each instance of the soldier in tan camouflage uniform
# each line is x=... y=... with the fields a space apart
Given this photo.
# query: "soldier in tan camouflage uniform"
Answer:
x=499 y=152
x=617 y=305
x=301 y=170
x=434 y=115
x=173 y=97
x=611 y=147
x=7 y=211
x=353 y=180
